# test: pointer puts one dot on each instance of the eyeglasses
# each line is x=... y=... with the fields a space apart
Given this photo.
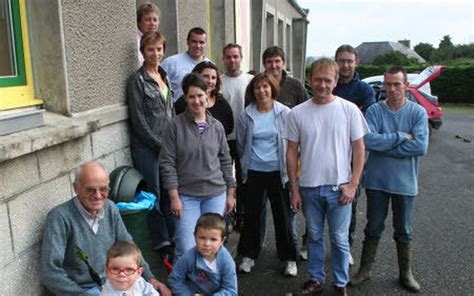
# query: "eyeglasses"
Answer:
x=345 y=61
x=103 y=190
x=126 y=270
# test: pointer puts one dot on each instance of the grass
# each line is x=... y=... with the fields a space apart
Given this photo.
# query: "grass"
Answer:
x=458 y=109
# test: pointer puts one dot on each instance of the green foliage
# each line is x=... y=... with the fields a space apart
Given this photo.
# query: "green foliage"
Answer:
x=442 y=54
x=395 y=58
x=371 y=70
x=455 y=85
x=425 y=50
x=391 y=58
x=445 y=42
x=460 y=62
x=463 y=51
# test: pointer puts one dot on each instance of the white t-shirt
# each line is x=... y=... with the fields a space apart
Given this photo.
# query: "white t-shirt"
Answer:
x=177 y=66
x=233 y=90
x=140 y=287
x=325 y=133
x=211 y=264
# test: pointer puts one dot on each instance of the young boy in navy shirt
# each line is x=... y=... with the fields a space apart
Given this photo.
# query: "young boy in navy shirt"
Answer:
x=208 y=268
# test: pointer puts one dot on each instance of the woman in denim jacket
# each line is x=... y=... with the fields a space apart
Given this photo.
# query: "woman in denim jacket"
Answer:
x=150 y=103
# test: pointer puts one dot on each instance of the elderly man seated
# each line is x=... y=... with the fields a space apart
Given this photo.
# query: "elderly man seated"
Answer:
x=88 y=222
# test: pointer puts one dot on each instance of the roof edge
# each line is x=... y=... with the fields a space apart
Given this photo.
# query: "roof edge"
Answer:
x=303 y=11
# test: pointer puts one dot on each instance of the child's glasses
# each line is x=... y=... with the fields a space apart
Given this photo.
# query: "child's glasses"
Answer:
x=126 y=270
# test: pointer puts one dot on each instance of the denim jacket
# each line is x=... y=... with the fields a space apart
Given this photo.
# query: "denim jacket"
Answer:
x=244 y=137
x=149 y=111
x=191 y=275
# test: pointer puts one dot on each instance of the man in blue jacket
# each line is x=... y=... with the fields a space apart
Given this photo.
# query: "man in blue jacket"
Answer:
x=398 y=137
x=350 y=87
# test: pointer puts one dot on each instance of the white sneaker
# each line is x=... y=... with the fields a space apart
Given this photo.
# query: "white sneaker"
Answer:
x=351 y=260
x=304 y=254
x=246 y=264
x=291 y=269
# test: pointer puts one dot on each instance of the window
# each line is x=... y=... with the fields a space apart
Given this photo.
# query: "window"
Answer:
x=16 y=86
x=269 y=29
x=12 y=65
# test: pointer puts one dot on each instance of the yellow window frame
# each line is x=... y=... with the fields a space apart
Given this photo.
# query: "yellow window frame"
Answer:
x=12 y=97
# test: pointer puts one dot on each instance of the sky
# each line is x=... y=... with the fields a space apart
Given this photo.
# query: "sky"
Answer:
x=337 y=22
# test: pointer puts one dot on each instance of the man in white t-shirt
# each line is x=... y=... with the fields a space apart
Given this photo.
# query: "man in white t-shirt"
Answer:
x=326 y=133
x=234 y=84
x=178 y=65
x=234 y=81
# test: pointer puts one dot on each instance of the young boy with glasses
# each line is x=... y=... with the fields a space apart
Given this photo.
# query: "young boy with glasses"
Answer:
x=123 y=271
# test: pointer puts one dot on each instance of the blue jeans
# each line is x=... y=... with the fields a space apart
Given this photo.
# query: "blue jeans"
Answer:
x=318 y=203
x=377 y=209
x=193 y=208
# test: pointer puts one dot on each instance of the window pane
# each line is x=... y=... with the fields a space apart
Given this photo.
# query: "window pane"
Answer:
x=7 y=48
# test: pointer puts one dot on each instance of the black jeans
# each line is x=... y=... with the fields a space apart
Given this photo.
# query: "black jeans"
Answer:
x=257 y=183
x=239 y=207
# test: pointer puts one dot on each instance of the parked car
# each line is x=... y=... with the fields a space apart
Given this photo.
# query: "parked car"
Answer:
x=419 y=91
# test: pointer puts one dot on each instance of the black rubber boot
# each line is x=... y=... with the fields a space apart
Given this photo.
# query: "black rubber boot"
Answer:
x=405 y=252
x=369 y=250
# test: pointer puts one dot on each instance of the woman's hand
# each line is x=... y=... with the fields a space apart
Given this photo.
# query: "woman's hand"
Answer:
x=175 y=203
x=230 y=202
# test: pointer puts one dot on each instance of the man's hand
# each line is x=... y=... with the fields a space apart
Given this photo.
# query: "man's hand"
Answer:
x=176 y=206
x=409 y=137
x=296 y=201
x=160 y=287
x=348 y=192
x=230 y=202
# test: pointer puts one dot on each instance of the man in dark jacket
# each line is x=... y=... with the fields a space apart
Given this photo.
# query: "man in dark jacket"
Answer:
x=350 y=87
x=292 y=91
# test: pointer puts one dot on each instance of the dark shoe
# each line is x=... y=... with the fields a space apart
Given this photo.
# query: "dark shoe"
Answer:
x=340 y=291
x=311 y=287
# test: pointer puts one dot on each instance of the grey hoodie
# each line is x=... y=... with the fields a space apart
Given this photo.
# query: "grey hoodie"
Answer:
x=196 y=164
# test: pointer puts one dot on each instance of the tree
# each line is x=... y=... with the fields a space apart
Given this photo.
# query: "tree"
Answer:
x=463 y=51
x=425 y=50
x=445 y=42
x=391 y=58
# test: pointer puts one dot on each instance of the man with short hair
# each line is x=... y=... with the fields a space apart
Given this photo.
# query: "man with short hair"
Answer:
x=292 y=91
x=88 y=223
x=234 y=84
x=327 y=132
x=178 y=65
x=350 y=87
x=398 y=137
